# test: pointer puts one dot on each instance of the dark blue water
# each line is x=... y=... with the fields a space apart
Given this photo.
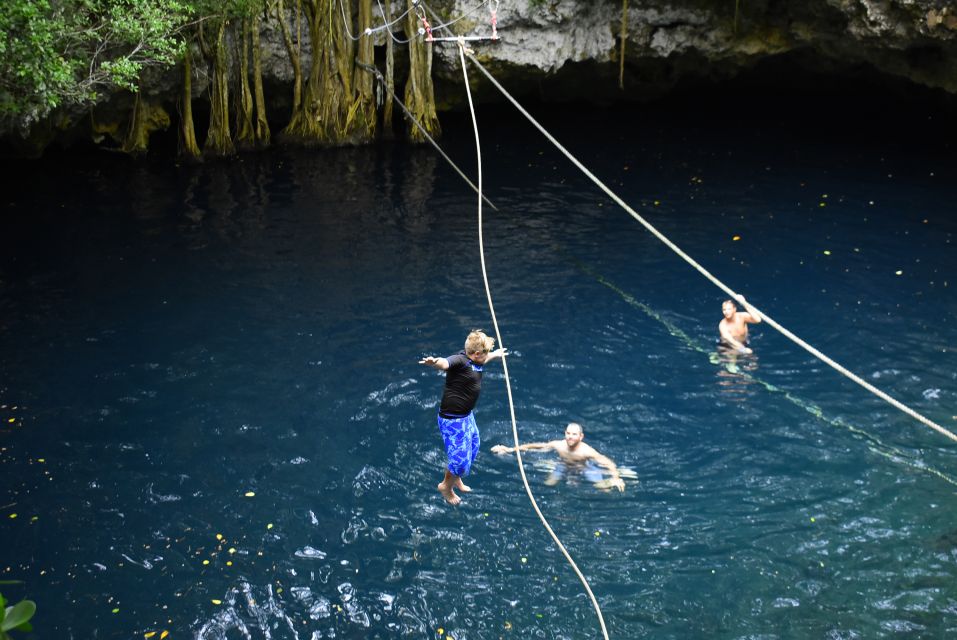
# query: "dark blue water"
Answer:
x=175 y=338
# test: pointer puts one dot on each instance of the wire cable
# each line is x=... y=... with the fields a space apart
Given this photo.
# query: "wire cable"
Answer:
x=370 y=30
x=445 y=25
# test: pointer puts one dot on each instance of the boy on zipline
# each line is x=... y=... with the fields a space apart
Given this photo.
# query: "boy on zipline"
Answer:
x=734 y=326
x=463 y=383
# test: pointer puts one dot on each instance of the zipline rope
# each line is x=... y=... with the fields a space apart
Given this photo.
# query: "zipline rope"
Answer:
x=412 y=119
x=798 y=341
x=508 y=384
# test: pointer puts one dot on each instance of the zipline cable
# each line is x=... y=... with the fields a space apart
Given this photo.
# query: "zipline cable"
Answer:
x=408 y=114
x=370 y=30
x=508 y=384
x=647 y=225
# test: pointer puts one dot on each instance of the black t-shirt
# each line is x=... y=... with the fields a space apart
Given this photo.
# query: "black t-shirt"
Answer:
x=463 y=383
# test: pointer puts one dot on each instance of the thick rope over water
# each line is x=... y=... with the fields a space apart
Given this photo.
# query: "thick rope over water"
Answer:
x=798 y=341
x=508 y=384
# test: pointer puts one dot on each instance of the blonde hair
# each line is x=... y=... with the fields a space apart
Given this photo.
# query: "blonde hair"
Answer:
x=478 y=342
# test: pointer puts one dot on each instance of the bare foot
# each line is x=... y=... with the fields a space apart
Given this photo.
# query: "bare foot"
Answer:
x=449 y=494
x=461 y=486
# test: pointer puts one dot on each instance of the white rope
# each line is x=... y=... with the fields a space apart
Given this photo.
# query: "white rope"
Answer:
x=801 y=343
x=508 y=384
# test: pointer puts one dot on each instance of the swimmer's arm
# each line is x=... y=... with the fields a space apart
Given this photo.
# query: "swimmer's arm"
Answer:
x=605 y=461
x=497 y=354
x=436 y=363
x=529 y=446
x=752 y=315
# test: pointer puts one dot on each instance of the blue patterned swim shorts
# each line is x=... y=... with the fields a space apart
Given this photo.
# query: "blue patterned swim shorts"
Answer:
x=461 y=436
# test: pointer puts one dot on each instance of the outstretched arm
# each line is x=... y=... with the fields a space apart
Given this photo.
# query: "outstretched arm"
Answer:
x=605 y=461
x=529 y=446
x=752 y=314
x=436 y=363
x=496 y=355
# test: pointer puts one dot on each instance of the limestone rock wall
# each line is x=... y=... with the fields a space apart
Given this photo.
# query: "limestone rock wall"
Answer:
x=571 y=49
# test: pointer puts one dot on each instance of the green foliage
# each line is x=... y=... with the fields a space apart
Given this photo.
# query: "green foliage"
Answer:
x=67 y=51
x=15 y=618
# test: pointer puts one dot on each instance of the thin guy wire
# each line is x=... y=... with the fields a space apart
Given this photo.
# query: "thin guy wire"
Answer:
x=435 y=144
x=451 y=22
x=370 y=30
x=388 y=25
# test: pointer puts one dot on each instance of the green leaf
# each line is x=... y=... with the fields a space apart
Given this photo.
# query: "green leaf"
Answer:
x=18 y=614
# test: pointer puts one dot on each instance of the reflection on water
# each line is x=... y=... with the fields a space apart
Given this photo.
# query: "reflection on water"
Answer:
x=213 y=422
x=735 y=371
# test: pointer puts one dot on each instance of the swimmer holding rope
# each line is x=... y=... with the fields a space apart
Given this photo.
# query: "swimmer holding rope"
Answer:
x=575 y=454
x=463 y=383
x=734 y=326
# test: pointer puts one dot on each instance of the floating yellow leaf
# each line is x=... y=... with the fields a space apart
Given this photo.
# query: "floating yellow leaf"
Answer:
x=149 y=634
x=232 y=549
x=205 y=562
x=250 y=494
x=41 y=460
x=826 y=252
x=164 y=634
x=13 y=515
x=116 y=610
x=219 y=536
x=214 y=601
x=12 y=420
x=440 y=631
x=229 y=563
x=657 y=203
x=269 y=526
x=508 y=625
x=597 y=533
x=736 y=238
x=900 y=273
x=524 y=560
